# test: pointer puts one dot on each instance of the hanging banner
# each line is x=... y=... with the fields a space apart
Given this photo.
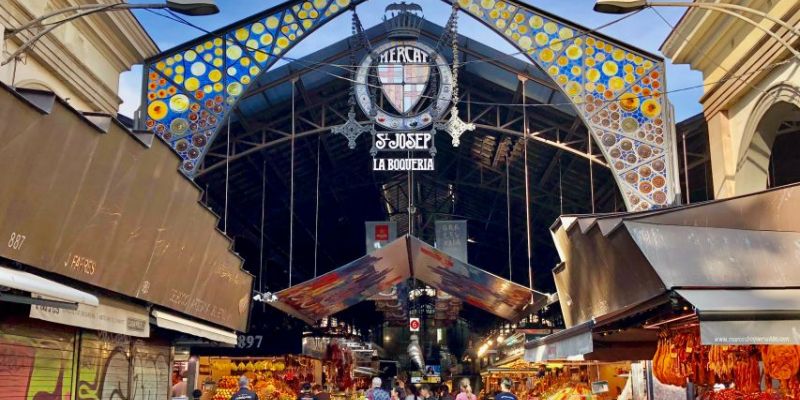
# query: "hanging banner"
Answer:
x=379 y=234
x=110 y=316
x=451 y=238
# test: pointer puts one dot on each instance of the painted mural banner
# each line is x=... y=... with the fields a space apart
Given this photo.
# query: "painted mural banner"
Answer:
x=467 y=282
x=373 y=276
x=347 y=285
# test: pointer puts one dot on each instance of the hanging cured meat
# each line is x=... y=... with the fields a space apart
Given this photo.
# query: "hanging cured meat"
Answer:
x=747 y=376
x=780 y=362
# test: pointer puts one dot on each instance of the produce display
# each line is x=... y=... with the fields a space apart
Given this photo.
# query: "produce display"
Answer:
x=681 y=358
x=573 y=391
x=274 y=378
x=226 y=387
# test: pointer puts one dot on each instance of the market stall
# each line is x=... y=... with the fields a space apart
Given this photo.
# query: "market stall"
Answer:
x=707 y=292
x=272 y=378
x=559 y=380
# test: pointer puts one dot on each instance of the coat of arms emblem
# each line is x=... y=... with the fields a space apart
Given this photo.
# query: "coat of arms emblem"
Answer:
x=414 y=81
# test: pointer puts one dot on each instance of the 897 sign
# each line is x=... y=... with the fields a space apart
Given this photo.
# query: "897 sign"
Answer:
x=249 y=341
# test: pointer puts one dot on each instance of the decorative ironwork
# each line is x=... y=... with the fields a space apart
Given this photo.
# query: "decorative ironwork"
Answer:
x=618 y=91
x=351 y=129
x=454 y=126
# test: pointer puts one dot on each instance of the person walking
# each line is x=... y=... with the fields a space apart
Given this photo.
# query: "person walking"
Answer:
x=426 y=393
x=505 y=390
x=412 y=393
x=376 y=392
x=444 y=393
x=320 y=394
x=179 y=389
x=396 y=393
x=244 y=392
x=305 y=393
x=465 y=390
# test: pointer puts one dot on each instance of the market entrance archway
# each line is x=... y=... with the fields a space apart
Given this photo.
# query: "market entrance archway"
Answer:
x=617 y=90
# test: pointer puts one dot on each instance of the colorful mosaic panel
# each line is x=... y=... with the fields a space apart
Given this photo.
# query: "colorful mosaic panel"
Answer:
x=190 y=91
x=618 y=92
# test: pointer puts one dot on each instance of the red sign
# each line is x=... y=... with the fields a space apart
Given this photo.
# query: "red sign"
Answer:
x=413 y=324
x=381 y=232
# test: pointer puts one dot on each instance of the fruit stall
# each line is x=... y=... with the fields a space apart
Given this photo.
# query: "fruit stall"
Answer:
x=559 y=381
x=272 y=378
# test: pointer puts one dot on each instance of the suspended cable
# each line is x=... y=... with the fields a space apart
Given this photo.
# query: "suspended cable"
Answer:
x=316 y=210
x=261 y=238
x=527 y=187
x=686 y=168
x=411 y=209
x=591 y=167
x=227 y=175
x=291 y=188
x=560 y=188
x=508 y=209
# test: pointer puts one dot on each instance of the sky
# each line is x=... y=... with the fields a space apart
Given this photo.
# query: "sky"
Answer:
x=645 y=30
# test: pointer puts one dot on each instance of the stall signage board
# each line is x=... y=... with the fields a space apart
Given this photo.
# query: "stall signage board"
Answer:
x=451 y=238
x=599 y=387
x=379 y=234
x=413 y=324
x=109 y=316
x=765 y=332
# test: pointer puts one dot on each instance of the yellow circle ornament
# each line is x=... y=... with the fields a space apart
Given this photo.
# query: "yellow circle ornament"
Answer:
x=192 y=84
x=629 y=102
x=651 y=108
x=593 y=75
x=610 y=68
x=547 y=55
x=215 y=75
x=157 y=110
x=616 y=83
x=574 y=52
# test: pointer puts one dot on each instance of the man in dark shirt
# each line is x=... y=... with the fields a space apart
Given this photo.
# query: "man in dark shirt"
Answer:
x=305 y=393
x=505 y=391
x=320 y=394
x=244 y=393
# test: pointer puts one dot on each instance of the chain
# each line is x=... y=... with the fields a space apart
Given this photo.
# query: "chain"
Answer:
x=447 y=32
x=454 y=34
x=353 y=38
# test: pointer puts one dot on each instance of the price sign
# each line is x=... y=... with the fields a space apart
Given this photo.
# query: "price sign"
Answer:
x=413 y=324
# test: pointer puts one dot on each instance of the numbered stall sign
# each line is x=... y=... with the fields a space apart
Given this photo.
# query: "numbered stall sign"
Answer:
x=413 y=324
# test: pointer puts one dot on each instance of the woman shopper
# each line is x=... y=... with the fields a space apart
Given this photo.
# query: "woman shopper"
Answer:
x=465 y=390
x=396 y=393
x=413 y=393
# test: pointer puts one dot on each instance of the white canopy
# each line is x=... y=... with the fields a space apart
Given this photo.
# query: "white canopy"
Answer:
x=37 y=285
x=183 y=325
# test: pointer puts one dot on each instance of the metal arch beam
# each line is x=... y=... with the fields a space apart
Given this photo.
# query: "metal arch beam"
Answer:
x=536 y=137
x=290 y=22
